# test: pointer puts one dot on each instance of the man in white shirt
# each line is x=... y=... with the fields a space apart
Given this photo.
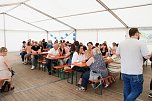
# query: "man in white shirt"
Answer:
x=132 y=52
x=53 y=52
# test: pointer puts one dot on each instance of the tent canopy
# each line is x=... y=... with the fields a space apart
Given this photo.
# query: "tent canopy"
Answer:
x=54 y=15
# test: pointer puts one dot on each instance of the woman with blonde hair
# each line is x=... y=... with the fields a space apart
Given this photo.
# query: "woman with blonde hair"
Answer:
x=5 y=68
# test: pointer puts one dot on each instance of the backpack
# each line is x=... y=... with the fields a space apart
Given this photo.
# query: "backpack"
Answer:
x=5 y=87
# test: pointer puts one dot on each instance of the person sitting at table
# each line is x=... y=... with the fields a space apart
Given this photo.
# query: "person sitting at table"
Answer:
x=23 y=52
x=44 y=44
x=104 y=50
x=28 y=51
x=88 y=53
x=71 y=52
x=62 y=52
x=79 y=56
x=114 y=66
x=35 y=49
x=32 y=43
x=49 y=63
x=114 y=48
x=67 y=48
x=49 y=44
x=61 y=49
x=97 y=65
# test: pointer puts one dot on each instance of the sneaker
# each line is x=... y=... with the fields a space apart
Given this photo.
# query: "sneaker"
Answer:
x=106 y=86
x=81 y=89
x=41 y=65
x=93 y=85
x=33 y=67
x=150 y=95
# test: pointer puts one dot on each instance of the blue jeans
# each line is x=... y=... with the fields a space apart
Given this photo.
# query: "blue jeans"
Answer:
x=34 y=60
x=133 y=86
x=50 y=63
x=85 y=79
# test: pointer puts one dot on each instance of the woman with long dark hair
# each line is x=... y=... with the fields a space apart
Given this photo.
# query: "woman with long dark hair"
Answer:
x=79 y=56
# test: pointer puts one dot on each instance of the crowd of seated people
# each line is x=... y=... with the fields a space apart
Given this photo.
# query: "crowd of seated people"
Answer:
x=97 y=65
x=75 y=52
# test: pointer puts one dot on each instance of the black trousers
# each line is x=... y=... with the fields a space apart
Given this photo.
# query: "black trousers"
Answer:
x=80 y=69
x=50 y=63
x=22 y=55
x=85 y=79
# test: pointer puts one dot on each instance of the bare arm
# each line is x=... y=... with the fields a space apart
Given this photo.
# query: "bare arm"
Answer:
x=7 y=63
x=90 y=61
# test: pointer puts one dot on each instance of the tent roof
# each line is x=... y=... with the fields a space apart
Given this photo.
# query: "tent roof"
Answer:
x=50 y=15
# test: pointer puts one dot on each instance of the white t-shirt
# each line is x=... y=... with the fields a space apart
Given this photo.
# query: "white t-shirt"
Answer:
x=53 y=52
x=132 y=52
x=77 y=58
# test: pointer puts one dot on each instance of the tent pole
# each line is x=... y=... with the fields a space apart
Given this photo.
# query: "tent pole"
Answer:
x=4 y=30
x=11 y=4
x=97 y=35
x=59 y=36
x=47 y=36
x=76 y=34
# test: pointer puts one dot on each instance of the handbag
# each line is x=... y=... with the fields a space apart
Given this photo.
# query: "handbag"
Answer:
x=94 y=75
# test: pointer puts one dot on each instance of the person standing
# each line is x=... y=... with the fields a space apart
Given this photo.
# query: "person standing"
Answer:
x=131 y=52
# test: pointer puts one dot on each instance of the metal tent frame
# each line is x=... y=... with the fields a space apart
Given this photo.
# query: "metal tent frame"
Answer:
x=56 y=19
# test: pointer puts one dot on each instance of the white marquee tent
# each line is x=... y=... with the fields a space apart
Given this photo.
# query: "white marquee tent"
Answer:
x=91 y=20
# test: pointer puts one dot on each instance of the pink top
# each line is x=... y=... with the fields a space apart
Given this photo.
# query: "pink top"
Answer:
x=28 y=49
x=67 y=49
